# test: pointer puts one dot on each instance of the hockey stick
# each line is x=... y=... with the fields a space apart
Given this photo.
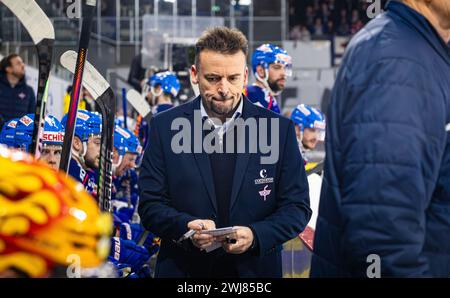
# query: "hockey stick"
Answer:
x=104 y=96
x=88 y=14
x=139 y=104
x=124 y=107
x=42 y=33
x=143 y=108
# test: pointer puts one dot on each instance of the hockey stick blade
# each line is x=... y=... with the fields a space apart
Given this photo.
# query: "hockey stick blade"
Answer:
x=32 y=18
x=42 y=33
x=93 y=81
x=138 y=102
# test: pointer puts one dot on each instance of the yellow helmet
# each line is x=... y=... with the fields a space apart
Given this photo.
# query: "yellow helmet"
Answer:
x=47 y=219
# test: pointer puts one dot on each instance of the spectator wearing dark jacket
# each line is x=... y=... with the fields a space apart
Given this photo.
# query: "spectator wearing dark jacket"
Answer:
x=385 y=198
x=16 y=97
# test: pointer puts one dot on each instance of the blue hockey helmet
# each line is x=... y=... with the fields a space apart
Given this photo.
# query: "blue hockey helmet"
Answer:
x=8 y=132
x=267 y=54
x=125 y=141
x=53 y=133
x=87 y=124
x=305 y=116
x=168 y=81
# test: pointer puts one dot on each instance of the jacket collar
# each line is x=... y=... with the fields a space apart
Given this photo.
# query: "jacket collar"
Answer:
x=4 y=80
x=422 y=25
x=248 y=109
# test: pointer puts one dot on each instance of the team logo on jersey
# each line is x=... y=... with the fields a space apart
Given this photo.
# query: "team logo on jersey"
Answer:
x=12 y=124
x=264 y=179
x=26 y=120
x=265 y=192
x=22 y=95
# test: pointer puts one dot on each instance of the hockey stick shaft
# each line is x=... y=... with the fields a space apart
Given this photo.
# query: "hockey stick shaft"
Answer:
x=76 y=86
x=124 y=107
x=45 y=53
x=106 y=103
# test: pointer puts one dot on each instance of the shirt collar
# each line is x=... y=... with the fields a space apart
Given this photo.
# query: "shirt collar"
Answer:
x=225 y=125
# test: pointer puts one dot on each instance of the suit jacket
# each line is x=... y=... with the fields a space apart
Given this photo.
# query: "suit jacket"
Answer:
x=178 y=188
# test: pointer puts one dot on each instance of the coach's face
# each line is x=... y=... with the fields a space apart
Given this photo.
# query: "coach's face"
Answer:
x=221 y=79
x=442 y=9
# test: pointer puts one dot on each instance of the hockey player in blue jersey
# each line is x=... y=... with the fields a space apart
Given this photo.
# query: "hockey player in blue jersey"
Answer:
x=309 y=127
x=162 y=88
x=86 y=143
x=52 y=138
x=125 y=192
x=160 y=91
x=126 y=254
x=271 y=66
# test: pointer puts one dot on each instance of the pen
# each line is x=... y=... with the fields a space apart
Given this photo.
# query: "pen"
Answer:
x=187 y=235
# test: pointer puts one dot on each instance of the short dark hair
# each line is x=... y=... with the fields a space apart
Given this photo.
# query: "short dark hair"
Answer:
x=223 y=40
x=6 y=62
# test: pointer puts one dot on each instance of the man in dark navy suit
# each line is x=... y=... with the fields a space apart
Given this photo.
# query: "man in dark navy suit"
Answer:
x=220 y=161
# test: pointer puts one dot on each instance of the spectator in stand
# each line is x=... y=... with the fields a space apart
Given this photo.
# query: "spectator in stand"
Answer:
x=344 y=27
x=329 y=29
x=318 y=27
x=356 y=27
x=295 y=33
x=324 y=13
x=309 y=17
x=16 y=97
x=337 y=17
x=331 y=6
x=355 y=16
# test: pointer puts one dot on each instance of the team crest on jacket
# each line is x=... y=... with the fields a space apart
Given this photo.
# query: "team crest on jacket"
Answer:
x=265 y=192
x=264 y=179
x=22 y=95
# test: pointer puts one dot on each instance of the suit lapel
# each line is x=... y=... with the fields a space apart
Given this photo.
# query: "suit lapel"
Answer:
x=202 y=158
x=242 y=159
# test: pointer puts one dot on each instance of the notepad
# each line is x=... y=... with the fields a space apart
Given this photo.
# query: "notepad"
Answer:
x=219 y=232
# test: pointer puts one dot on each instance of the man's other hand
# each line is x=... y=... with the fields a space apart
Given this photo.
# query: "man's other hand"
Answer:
x=244 y=239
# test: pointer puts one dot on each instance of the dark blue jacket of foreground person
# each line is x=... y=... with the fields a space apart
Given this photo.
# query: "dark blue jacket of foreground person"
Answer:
x=386 y=189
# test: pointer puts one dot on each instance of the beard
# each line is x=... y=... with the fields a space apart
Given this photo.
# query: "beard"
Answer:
x=274 y=86
x=222 y=106
x=19 y=75
x=92 y=162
